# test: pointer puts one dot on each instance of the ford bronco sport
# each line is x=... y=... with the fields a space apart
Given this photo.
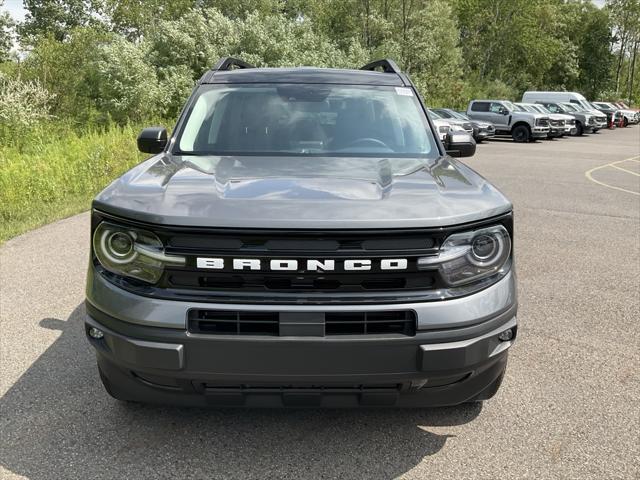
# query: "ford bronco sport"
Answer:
x=302 y=238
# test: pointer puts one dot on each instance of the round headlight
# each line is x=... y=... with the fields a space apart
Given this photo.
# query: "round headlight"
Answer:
x=470 y=256
x=121 y=244
x=115 y=245
x=131 y=252
x=487 y=249
x=483 y=247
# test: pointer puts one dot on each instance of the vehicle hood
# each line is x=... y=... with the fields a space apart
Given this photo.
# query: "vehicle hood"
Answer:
x=456 y=121
x=529 y=115
x=481 y=124
x=302 y=192
x=595 y=113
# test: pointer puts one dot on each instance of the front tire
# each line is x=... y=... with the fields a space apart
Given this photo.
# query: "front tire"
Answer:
x=579 y=129
x=625 y=122
x=521 y=134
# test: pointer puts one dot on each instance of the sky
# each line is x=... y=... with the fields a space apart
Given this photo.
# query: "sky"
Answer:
x=16 y=8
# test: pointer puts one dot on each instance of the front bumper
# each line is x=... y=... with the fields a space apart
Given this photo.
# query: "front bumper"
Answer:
x=159 y=366
x=445 y=363
x=483 y=133
x=555 y=132
x=540 y=132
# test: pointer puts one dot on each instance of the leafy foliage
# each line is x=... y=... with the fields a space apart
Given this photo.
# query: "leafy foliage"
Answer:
x=22 y=105
x=57 y=172
x=6 y=34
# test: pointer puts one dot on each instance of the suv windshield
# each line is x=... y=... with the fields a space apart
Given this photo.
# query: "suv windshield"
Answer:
x=557 y=108
x=571 y=107
x=303 y=119
x=459 y=116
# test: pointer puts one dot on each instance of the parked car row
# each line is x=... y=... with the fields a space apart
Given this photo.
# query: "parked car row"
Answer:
x=540 y=115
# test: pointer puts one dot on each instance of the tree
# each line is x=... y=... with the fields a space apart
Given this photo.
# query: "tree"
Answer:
x=514 y=41
x=625 y=15
x=56 y=18
x=96 y=77
x=134 y=18
x=6 y=34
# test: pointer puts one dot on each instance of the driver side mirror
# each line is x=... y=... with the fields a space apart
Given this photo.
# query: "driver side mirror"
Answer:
x=152 y=140
x=460 y=144
x=504 y=111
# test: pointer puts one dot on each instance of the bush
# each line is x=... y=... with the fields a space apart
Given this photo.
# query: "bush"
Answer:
x=58 y=173
x=23 y=104
x=97 y=78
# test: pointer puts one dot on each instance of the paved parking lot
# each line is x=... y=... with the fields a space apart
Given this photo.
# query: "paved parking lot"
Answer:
x=568 y=407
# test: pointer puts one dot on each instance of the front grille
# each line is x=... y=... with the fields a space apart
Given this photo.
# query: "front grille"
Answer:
x=370 y=323
x=248 y=281
x=299 y=284
x=223 y=322
x=264 y=248
x=557 y=123
x=234 y=322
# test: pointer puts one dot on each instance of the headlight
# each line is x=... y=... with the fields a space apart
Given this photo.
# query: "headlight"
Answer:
x=470 y=256
x=457 y=128
x=131 y=252
x=443 y=129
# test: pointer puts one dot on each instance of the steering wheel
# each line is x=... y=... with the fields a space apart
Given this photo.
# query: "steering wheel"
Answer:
x=374 y=142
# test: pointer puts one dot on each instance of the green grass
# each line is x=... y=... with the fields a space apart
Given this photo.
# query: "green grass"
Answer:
x=47 y=175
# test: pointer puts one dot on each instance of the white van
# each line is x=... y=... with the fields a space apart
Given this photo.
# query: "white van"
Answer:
x=574 y=98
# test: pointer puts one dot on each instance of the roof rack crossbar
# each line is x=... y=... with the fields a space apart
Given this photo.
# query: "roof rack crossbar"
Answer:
x=227 y=63
x=387 y=65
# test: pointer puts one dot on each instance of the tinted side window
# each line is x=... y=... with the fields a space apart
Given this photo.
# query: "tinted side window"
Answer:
x=574 y=101
x=480 y=107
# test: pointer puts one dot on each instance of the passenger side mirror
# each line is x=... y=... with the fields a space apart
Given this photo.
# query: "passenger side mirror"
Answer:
x=460 y=144
x=152 y=140
x=504 y=111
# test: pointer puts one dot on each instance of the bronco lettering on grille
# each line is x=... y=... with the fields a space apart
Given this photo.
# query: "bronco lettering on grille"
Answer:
x=289 y=265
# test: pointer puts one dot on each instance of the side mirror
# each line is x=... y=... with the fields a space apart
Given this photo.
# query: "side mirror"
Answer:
x=152 y=139
x=504 y=111
x=460 y=144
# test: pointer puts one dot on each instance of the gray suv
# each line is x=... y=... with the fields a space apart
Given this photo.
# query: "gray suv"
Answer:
x=522 y=126
x=302 y=239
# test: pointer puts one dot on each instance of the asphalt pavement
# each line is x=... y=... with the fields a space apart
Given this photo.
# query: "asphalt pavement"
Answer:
x=568 y=407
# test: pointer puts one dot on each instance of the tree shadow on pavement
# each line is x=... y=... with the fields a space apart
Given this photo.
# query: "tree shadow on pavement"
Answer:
x=57 y=422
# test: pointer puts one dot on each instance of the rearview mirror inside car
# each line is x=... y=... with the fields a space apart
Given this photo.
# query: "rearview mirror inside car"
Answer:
x=152 y=140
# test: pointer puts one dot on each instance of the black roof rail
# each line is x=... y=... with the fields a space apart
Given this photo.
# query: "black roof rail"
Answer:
x=388 y=66
x=227 y=63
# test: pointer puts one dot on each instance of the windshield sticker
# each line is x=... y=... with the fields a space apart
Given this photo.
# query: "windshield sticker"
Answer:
x=404 y=91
